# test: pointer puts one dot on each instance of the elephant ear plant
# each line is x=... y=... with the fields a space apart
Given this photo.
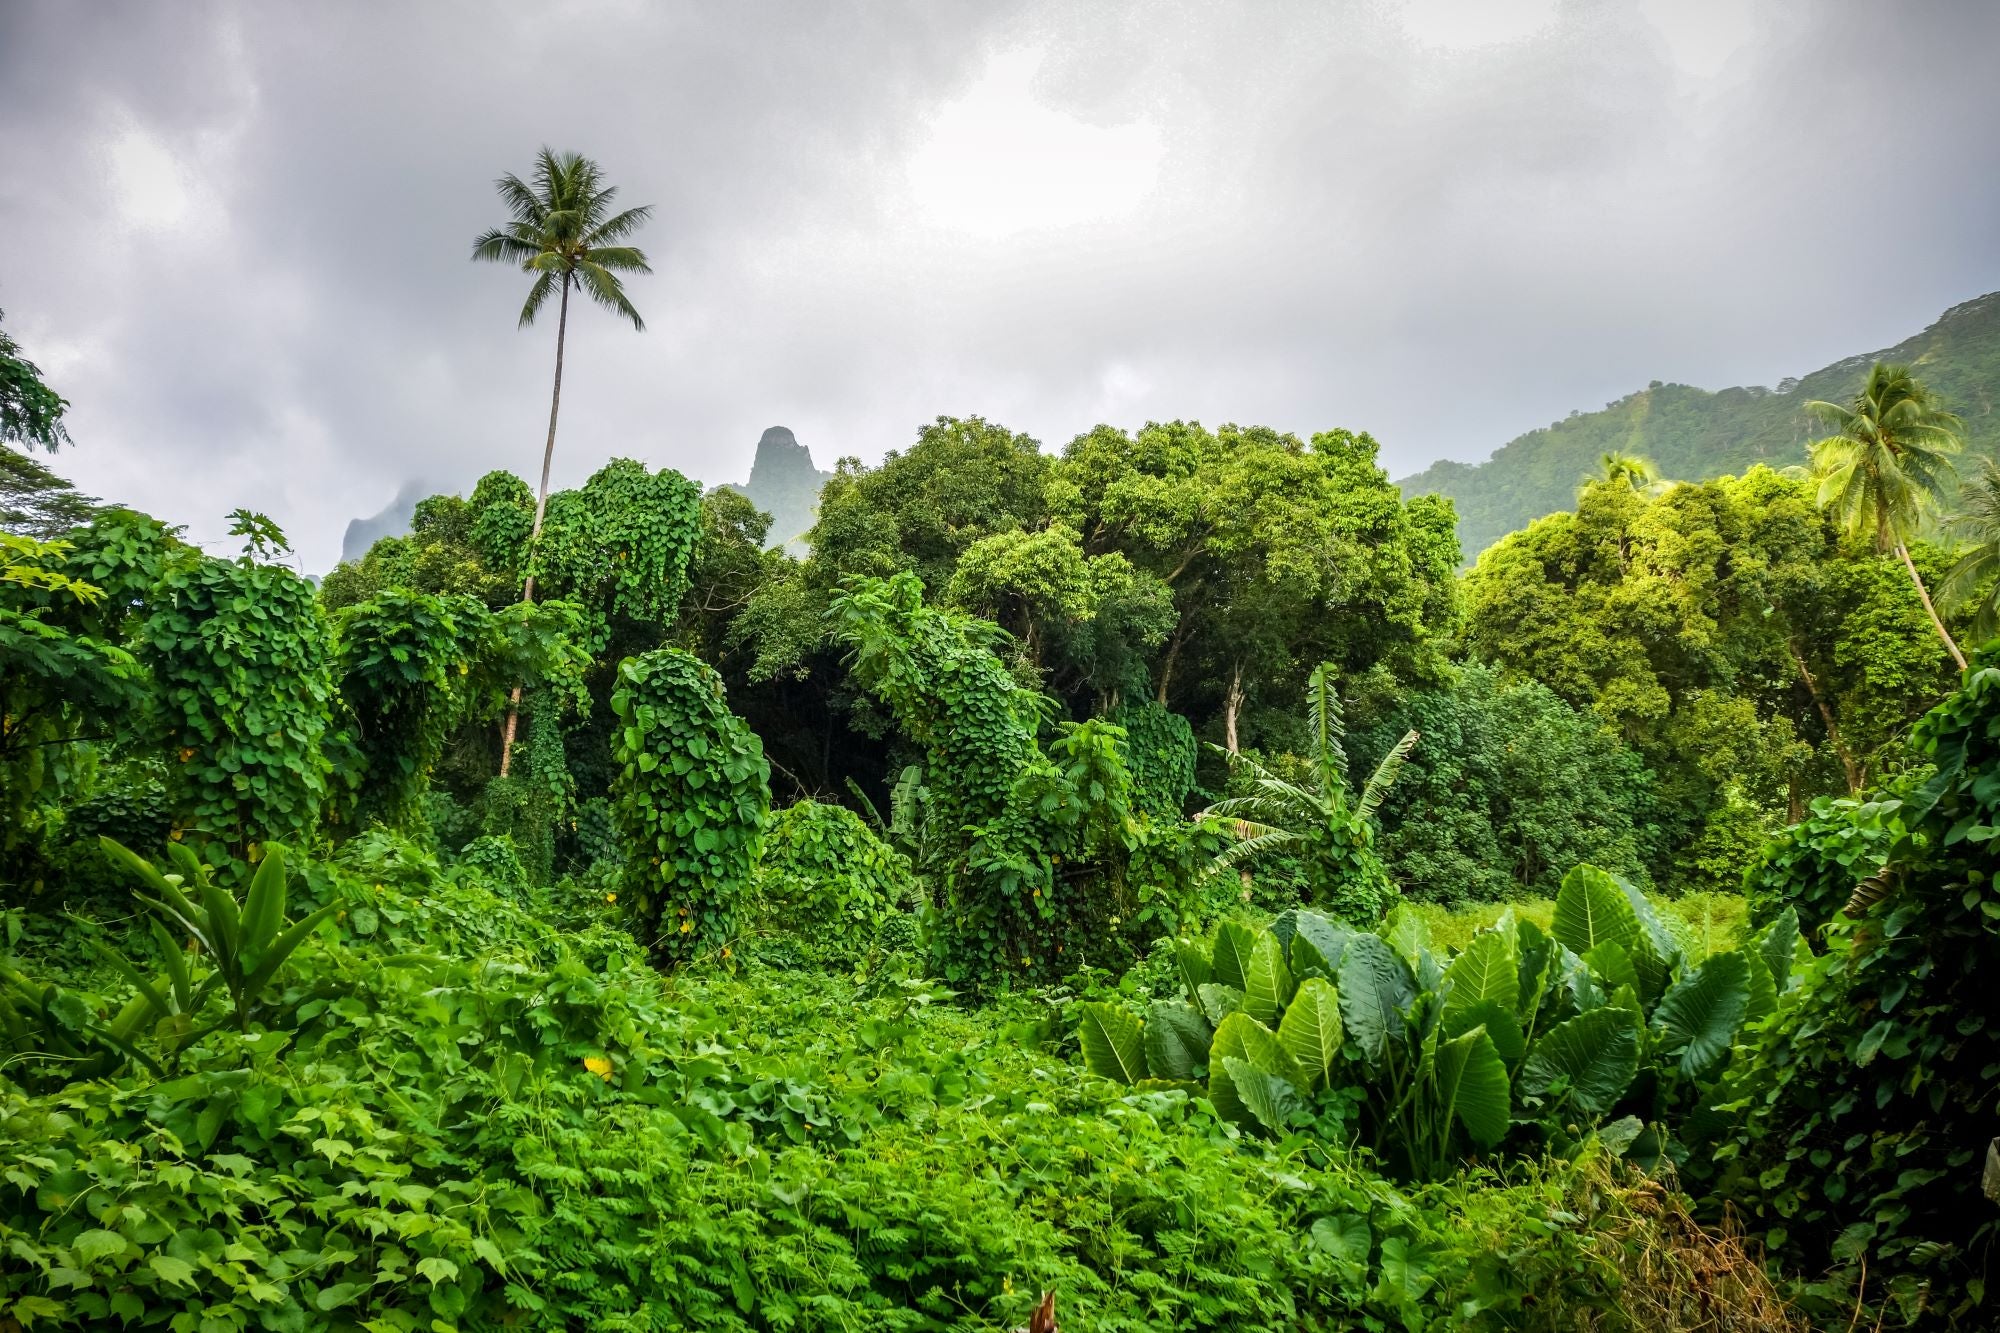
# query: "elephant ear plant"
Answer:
x=1525 y=1038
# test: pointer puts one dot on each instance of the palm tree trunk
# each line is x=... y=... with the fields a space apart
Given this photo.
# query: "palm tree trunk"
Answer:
x=535 y=535
x=1925 y=593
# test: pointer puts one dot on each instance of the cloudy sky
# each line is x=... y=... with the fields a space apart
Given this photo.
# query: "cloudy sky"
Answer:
x=237 y=235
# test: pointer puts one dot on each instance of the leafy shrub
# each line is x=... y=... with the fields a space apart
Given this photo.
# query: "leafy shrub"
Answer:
x=1868 y=1107
x=693 y=797
x=1814 y=866
x=1522 y=1034
x=828 y=880
x=243 y=670
x=400 y=656
x=495 y=862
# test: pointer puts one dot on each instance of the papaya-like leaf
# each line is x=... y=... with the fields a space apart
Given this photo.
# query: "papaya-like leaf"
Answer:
x=1267 y=1099
x=1234 y=942
x=1485 y=971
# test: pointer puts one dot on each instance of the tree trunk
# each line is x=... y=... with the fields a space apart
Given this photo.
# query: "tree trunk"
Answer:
x=1852 y=769
x=1167 y=663
x=1925 y=593
x=1232 y=704
x=535 y=535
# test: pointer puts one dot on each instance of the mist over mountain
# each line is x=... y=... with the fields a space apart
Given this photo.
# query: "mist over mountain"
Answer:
x=1693 y=434
x=391 y=520
x=784 y=484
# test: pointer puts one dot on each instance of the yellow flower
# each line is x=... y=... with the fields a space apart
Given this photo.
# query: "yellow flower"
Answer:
x=725 y=951
x=687 y=927
x=610 y=897
x=599 y=1066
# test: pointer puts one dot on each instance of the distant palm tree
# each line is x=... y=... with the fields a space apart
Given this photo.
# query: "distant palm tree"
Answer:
x=1617 y=468
x=1978 y=521
x=564 y=232
x=1886 y=464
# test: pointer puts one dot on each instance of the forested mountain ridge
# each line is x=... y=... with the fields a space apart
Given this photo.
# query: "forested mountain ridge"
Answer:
x=1696 y=434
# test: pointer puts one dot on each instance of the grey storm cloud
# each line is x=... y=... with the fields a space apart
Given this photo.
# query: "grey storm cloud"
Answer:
x=238 y=233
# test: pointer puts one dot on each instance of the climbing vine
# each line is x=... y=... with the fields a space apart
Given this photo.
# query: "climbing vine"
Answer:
x=243 y=670
x=402 y=656
x=692 y=797
x=1160 y=751
x=828 y=880
x=618 y=546
x=1029 y=866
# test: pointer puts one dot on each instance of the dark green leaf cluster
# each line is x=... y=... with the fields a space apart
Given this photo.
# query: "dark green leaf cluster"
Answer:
x=828 y=881
x=1524 y=1037
x=692 y=798
x=242 y=665
x=1869 y=1107
x=1159 y=752
x=619 y=545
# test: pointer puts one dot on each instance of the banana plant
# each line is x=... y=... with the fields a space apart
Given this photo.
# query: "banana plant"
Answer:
x=245 y=943
x=1524 y=1034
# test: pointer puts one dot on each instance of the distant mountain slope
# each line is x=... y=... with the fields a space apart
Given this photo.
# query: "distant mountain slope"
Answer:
x=785 y=484
x=1694 y=434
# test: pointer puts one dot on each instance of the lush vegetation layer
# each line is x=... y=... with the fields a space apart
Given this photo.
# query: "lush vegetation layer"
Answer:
x=1150 y=875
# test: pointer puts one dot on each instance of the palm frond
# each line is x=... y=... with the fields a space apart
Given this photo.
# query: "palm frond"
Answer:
x=1329 y=728
x=605 y=289
x=1385 y=775
x=499 y=247
x=1261 y=840
x=622 y=258
x=536 y=295
x=618 y=228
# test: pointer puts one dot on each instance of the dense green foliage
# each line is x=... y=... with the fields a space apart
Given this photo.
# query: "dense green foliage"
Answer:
x=1868 y=1106
x=1748 y=653
x=1508 y=786
x=828 y=883
x=1695 y=434
x=692 y=800
x=409 y=1026
x=1526 y=1036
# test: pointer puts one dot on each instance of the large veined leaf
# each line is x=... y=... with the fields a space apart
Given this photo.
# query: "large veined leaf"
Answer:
x=1196 y=969
x=1268 y=1099
x=1500 y=1024
x=1176 y=1039
x=1345 y=1236
x=1114 y=1043
x=1242 y=1037
x=1267 y=985
x=1285 y=925
x=1233 y=944
x=1781 y=946
x=1657 y=948
x=1613 y=965
x=1219 y=1001
x=1406 y=932
x=1310 y=1031
x=1596 y=1055
x=1591 y=909
x=1485 y=971
x=1472 y=1084
x=1376 y=994
x=1699 y=1014
x=1317 y=946
x=1533 y=948
x=1763 y=990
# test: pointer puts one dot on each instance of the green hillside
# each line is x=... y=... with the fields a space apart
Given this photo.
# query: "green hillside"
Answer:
x=1694 y=434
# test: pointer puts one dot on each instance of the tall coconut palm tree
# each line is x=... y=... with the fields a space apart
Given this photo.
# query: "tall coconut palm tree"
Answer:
x=1975 y=580
x=564 y=233
x=1885 y=465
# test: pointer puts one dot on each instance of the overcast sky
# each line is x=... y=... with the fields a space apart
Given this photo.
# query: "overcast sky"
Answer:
x=237 y=236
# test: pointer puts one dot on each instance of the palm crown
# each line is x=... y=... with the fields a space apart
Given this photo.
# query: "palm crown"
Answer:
x=1888 y=457
x=564 y=232
x=1975 y=579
